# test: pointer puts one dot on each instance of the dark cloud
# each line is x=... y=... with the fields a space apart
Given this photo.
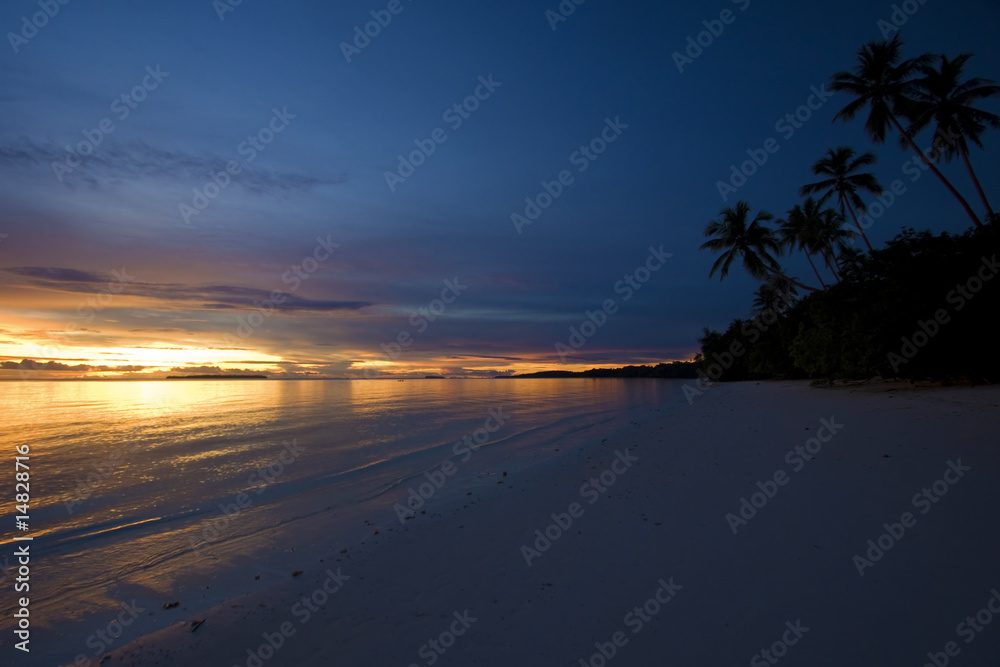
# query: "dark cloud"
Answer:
x=219 y=297
x=483 y=356
x=55 y=274
x=112 y=163
x=32 y=365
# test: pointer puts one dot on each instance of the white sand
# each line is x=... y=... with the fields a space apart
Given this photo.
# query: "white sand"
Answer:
x=664 y=519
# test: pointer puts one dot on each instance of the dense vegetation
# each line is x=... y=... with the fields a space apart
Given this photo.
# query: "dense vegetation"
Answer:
x=920 y=307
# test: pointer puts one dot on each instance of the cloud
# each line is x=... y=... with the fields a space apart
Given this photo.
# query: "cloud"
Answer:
x=211 y=297
x=112 y=163
x=32 y=365
x=212 y=370
x=483 y=356
x=55 y=274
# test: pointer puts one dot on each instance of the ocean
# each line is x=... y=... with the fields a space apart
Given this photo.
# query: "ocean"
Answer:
x=140 y=488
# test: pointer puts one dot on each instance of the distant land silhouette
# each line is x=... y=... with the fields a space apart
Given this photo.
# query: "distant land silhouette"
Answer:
x=216 y=377
x=675 y=369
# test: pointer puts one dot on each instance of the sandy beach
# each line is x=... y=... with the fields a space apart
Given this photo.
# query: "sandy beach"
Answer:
x=759 y=522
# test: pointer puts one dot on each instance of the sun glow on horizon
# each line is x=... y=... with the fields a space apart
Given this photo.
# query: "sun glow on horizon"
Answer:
x=38 y=354
x=145 y=359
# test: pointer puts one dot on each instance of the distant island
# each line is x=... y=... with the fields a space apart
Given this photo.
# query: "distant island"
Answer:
x=435 y=377
x=672 y=370
x=216 y=377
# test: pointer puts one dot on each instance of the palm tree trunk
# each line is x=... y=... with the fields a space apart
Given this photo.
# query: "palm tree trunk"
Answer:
x=795 y=282
x=979 y=188
x=834 y=266
x=947 y=183
x=858 y=225
x=836 y=275
x=818 y=277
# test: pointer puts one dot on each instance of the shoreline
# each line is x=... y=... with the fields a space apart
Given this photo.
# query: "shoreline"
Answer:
x=663 y=520
x=342 y=513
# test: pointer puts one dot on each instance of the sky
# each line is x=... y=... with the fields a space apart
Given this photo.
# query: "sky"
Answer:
x=196 y=186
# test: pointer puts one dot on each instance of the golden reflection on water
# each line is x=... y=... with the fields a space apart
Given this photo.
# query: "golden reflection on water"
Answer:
x=150 y=462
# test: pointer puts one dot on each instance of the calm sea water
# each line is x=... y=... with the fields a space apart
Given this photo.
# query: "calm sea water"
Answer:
x=130 y=481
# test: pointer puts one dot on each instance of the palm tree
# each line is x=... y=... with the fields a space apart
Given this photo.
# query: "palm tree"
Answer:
x=815 y=230
x=833 y=238
x=777 y=294
x=941 y=97
x=754 y=242
x=839 y=165
x=799 y=230
x=882 y=82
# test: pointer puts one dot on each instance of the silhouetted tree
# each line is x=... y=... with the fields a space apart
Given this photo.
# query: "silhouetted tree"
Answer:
x=800 y=230
x=881 y=81
x=840 y=165
x=833 y=238
x=777 y=294
x=736 y=236
x=942 y=98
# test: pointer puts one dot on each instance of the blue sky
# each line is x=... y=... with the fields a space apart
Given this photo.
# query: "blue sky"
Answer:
x=323 y=175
